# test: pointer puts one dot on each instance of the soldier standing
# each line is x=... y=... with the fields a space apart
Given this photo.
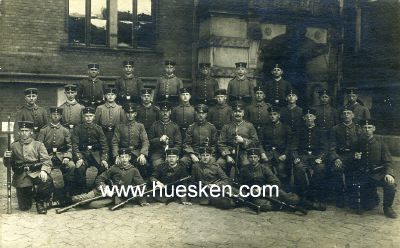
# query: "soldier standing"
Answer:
x=292 y=115
x=183 y=114
x=221 y=113
x=360 y=111
x=240 y=88
x=129 y=85
x=91 y=90
x=168 y=85
x=72 y=110
x=278 y=88
x=326 y=114
x=205 y=86
x=257 y=113
x=147 y=112
x=31 y=165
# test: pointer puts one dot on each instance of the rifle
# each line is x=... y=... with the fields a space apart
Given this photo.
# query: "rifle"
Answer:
x=62 y=210
x=9 y=209
x=145 y=193
x=236 y=166
x=252 y=205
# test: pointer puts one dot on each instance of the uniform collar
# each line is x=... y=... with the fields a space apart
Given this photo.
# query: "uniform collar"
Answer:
x=125 y=167
x=185 y=104
x=35 y=107
x=260 y=104
x=169 y=76
x=110 y=105
x=241 y=79
x=57 y=126
x=73 y=102
x=26 y=142
x=131 y=123
x=221 y=105
x=93 y=79
x=131 y=76
x=166 y=123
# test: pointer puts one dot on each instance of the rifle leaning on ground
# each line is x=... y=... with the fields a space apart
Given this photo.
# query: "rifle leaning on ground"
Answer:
x=145 y=193
x=9 y=208
x=237 y=150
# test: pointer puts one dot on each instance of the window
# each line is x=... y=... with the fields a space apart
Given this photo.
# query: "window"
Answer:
x=111 y=23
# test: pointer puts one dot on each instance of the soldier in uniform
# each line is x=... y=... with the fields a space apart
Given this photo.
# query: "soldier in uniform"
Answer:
x=91 y=90
x=278 y=88
x=147 y=112
x=208 y=173
x=109 y=114
x=168 y=85
x=205 y=86
x=163 y=134
x=342 y=141
x=132 y=134
x=199 y=134
x=221 y=113
x=278 y=147
x=57 y=140
x=183 y=114
x=234 y=139
x=72 y=110
x=31 y=112
x=240 y=88
x=31 y=165
x=360 y=111
x=170 y=172
x=257 y=113
x=292 y=115
x=309 y=164
x=374 y=168
x=129 y=85
x=89 y=150
x=326 y=114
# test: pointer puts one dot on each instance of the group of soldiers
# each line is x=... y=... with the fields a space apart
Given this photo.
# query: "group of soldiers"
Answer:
x=249 y=133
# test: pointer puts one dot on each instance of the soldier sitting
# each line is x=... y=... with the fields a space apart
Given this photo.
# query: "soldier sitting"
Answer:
x=31 y=165
x=183 y=114
x=72 y=110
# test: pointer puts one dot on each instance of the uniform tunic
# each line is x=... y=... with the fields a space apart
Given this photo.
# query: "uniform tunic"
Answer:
x=219 y=115
x=292 y=117
x=37 y=115
x=204 y=89
x=183 y=115
x=277 y=91
x=258 y=114
x=240 y=87
x=197 y=135
x=91 y=92
x=56 y=138
x=129 y=88
x=72 y=114
x=360 y=112
x=167 y=86
x=147 y=115
x=326 y=116
x=131 y=135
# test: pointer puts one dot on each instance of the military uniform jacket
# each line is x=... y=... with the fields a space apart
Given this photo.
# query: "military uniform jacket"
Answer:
x=375 y=153
x=360 y=112
x=259 y=174
x=37 y=115
x=292 y=117
x=219 y=115
x=28 y=152
x=72 y=114
x=207 y=173
x=129 y=88
x=343 y=138
x=167 y=174
x=130 y=135
x=183 y=115
x=57 y=140
x=326 y=116
x=90 y=91
x=278 y=137
x=168 y=86
x=204 y=88
x=276 y=91
x=170 y=129
x=147 y=115
x=228 y=134
x=120 y=175
x=240 y=87
x=258 y=114
x=310 y=141
x=109 y=115
x=197 y=135
x=89 y=139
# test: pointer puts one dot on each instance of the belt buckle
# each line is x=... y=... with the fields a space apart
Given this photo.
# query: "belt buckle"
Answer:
x=309 y=152
x=71 y=126
x=110 y=129
x=26 y=168
x=346 y=149
x=54 y=149
x=240 y=97
x=128 y=97
x=35 y=128
x=89 y=147
x=273 y=148
x=92 y=103
x=166 y=96
x=276 y=101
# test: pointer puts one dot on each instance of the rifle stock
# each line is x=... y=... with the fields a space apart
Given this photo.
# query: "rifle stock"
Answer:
x=62 y=210
x=9 y=207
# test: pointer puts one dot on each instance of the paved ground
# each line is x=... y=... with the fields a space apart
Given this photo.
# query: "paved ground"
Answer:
x=176 y=225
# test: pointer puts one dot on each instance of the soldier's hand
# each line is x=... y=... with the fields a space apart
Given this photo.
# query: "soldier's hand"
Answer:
x=296 y=161
x=194 y=158
x=104 y=163
x=43 y=176
x=65 y=161
x=264 y=157
x=159 y=184
x=282 y=157
x=187 y=203
x=318 y=161
x=389 y=179
x=7 y=154
x=141 y=159
x=338 y=163
x=164 y=138
x=357 y=155
x=230 y=160
x=239 y=139
x=117 y=160
x=79 y=163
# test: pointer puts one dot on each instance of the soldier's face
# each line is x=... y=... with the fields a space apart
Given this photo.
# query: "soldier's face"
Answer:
x=110 y=97
x=185 y=97
x=165 y=114
x=169 y=69
x=324 y=99
x=260 y=96
x=369 y=130
x=309 y=119
x=146 y=98
x=241 y=71
x=347 y=115
x=93 y=72
x=70 y=95
x=172 y=159
x=205 y=158
x=201 y=116
x=274 y=116
x=89 y=118
x=55 y=117
x=128 y=69
x=352 y=97
x=25 y=133
x=238 y=114
x=253 y=159
x=277 y=72
x=131 y=116
x=205 y=71
x=221 y=99
x=31 y=99
x=291 y=98
x=125 y=158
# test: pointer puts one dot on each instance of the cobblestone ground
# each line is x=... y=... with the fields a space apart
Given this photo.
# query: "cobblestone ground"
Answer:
x=176 y=225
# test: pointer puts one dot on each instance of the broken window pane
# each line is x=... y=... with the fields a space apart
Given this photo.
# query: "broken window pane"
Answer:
x=76 y=21
x=99 y=22
x=144 y=27
x=125 y=23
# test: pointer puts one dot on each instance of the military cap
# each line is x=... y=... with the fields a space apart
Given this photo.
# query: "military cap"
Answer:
x=201 y=108
x=57 y=110
x=276 y=66
x=365 y=122
x=205 y=150
x=204 y=65
x=88 y=110
x=172 y=151
x=124 y=151
x=128 y=62
x=346 y=108
x=254 y=151
x=185 y=90
x=271 y=109
x=146 y=91
x=110 y=89
x=351 y=90
x=310 y=112
x=31 y=91
x=130 y=108
x=238 y=106
x=93 y=66
x=70 y=87
x=25 y=124
x=292 y=91
x=241 y=64
x=258 y=88
x=323 y=92
x=169 y=62
x=221 y=92
x=165 y=105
